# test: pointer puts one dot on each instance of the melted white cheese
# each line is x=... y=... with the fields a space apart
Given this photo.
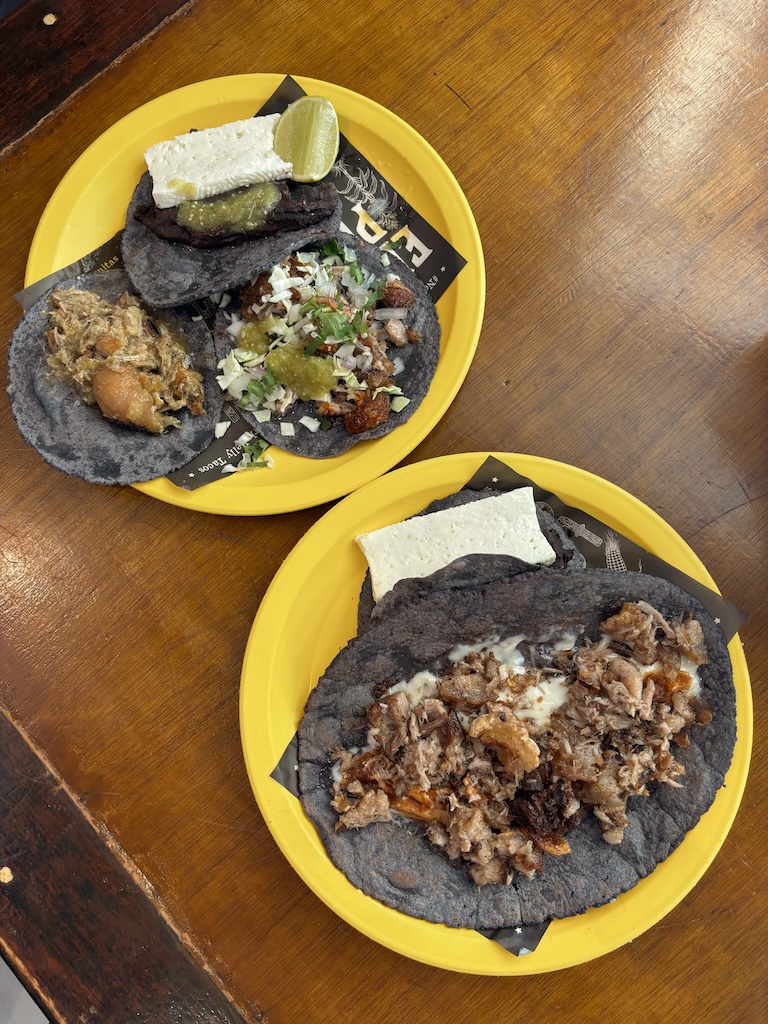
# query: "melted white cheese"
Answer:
x=417 y=688
x=505 y=651
x=546 y=696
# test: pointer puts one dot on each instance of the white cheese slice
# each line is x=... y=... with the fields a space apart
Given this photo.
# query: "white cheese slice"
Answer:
x=504 y=524
x=215 y=160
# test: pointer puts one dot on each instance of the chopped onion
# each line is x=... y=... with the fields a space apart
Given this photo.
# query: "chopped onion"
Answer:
x=221 y=428
x=365 y=360
x=310 y=423
x=358 y=296
x=287 y=429
x=391 y=313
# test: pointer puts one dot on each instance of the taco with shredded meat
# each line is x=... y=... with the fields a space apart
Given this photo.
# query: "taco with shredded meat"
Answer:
x=332 y=345
x=108 y=389
x=521 y=750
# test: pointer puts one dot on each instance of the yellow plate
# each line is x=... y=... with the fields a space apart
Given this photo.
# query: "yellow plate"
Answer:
x=309 y=614
x=88 y=208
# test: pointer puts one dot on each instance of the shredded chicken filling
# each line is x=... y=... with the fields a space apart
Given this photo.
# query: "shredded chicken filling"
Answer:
x=120 y=359
x=495 y=784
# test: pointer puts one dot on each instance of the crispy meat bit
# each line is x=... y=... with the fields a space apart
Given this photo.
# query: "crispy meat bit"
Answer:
x=473 y=682
x=635 y=628
x=395 y=295
x=396 y=332
x=689 y=636
x=380 y=361
x=121 y=395
x=373 y=805
x=254 y=294
x=510 y=739
x=388 y=717
x=367 y=412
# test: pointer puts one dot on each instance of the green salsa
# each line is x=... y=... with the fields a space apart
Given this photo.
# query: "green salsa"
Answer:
x=239 y=210
x=254 y=335
x=309 y=376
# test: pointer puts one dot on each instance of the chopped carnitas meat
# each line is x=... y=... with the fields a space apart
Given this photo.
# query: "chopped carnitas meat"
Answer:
x=122 y=360
x=500 y=760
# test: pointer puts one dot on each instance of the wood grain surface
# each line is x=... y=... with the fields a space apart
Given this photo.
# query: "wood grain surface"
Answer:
x=49 y=51
x=72 y=896
x=613 y=155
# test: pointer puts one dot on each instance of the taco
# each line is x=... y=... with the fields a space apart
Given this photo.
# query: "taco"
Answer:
x=171 y=264
x=435 y=799
x=108 y=390
x=333 y=345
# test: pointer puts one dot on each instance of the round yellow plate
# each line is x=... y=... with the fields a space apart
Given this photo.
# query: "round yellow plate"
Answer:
x=309 y=614
x=88 y=208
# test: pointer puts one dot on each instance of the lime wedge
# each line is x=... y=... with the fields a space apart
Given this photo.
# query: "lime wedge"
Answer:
x=307 y=135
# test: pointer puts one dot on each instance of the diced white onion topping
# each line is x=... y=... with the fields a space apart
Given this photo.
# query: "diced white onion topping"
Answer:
x=391 y=313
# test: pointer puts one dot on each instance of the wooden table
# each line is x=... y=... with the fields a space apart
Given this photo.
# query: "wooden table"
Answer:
x=614 y=158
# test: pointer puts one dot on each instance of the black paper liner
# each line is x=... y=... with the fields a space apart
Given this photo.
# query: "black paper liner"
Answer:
x=602 y=547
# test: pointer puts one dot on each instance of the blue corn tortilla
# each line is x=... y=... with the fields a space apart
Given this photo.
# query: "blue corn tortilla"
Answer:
x=393 y=862
x=169 y=273
x=76 y=438
x=473 y=571
x=420 y=361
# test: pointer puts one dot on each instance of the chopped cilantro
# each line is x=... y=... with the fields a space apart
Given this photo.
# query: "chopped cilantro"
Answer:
x=334 y=325
x=378 y=291
x=252 y=455
x=258 y=388
x=356 y=272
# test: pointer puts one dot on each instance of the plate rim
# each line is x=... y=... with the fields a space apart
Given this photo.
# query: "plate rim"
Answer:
x=338 y=476
x=587 y=930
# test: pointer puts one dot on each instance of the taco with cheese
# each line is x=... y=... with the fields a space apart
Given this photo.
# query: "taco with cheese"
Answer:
x=216 y=205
